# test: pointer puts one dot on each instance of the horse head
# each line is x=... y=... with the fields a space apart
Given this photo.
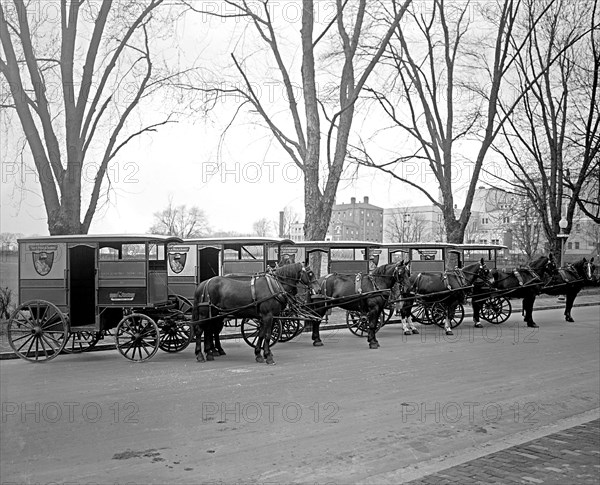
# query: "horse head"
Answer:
x=309 y=280
x=482 y=273
x=586 y=270
x=402 y=275
x=545 y=265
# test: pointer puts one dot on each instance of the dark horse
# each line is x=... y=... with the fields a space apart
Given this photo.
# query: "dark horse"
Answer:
x=262 y=296
x=364 y=293
x=569 y=281
x=525 y=282
x=448 y=289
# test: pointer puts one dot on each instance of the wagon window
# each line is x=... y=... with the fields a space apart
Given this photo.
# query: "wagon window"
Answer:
x=156 y=251
x=342 y=254
x=134 y=251
x=426 y=255
x=109 y=254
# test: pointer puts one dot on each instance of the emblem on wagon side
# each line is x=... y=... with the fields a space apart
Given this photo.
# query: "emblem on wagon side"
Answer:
x=42 y=262
x=177 y=261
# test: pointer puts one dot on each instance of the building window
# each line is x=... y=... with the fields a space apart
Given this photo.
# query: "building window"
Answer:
x=484 y=220
x=506 y=220
x=569 y=245
x=577 y=245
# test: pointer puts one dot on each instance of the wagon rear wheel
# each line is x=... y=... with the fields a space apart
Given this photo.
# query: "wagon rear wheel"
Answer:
x=78 y=342
x=420 y=313
x=359 y=324
x=137 y=337
x=290 y=328
x=251 y=328
x=438 y=314
x=37 y=331
x=496 y=309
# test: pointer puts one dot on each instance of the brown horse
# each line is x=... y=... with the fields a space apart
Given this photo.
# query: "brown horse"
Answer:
x=525 y=282
x=448 y=289
x=569 y=280
x=262 y=296
x=364 y=293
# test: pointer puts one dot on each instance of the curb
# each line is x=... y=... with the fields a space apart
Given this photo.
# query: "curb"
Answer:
x=335 y=326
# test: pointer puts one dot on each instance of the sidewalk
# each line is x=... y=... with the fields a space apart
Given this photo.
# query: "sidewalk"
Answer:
x=571 y=456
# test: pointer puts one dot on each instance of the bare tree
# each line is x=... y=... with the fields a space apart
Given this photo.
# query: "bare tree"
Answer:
x=290 y=217
x=445 y=82
x=300 y=134
x=551 y=143
x=180 y=221
x=262 y=227
x=75 y=89
x=406 y=226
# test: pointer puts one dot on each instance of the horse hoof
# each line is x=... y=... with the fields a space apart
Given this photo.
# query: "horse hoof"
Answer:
x=533 y=325
x=373 y=345
x=449 y=332
x=209 y=356
x=408 y=332
x=221 y=352
x=415 y=331
x=259 y=359
x=569 y=319
x=317 y=343
x=478 y=325
x=270 y=360
x=200 y=358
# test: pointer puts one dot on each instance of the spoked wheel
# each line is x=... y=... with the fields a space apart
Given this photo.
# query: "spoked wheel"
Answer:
x=137 y=337
x=437 y=313
x=290 y=327
x=420 y=313
x=251 y=328
x=496 y=309
x=386 y=315
x=183 y=304
x=37 y=331
x=174 y=336
x=359 y=324
x=79 y=342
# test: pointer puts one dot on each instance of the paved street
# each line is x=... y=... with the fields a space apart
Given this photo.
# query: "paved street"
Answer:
x=418 y=406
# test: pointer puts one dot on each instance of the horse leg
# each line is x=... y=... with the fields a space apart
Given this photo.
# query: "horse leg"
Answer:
x=476 y=309
x=316 y=334
x=218 y=350
x=373 y=316
x=197 y=331
x=266 y=329
x=208 y=342
x=447 y=326
x=569 y=305
x=528 y=303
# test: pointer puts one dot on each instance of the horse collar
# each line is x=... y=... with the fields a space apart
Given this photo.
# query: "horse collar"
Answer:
x=358 y=283
x=519 y=277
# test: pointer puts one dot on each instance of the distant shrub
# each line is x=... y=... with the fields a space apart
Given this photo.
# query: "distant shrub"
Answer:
x=6 y=303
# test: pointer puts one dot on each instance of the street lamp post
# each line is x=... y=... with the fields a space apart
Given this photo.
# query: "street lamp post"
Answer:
x=563 y=223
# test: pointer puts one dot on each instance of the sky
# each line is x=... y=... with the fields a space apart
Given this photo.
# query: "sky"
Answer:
x=236 y=180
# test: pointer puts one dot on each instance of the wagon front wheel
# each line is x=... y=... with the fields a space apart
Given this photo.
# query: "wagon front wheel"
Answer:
x=251 y=329
x=137 y=337
x=78 y=342
x=496 y=309
x=175 y=336
x=37 y=331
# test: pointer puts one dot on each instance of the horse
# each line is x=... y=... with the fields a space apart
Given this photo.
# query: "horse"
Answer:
x=525 y=282
x=448 y=288
x=569 y=280
x=262 y=296
x=364 y=293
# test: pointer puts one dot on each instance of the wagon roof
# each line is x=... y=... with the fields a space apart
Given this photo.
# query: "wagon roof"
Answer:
x=240 y=240
x=339 y=244
x=101 y=238
x=476 y=247
x=419 y=245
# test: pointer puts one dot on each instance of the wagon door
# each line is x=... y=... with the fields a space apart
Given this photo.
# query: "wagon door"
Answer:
x=82 y=286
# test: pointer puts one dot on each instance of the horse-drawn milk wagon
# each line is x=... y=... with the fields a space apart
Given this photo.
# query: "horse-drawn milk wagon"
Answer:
x=196 y=260
x=73 y=290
